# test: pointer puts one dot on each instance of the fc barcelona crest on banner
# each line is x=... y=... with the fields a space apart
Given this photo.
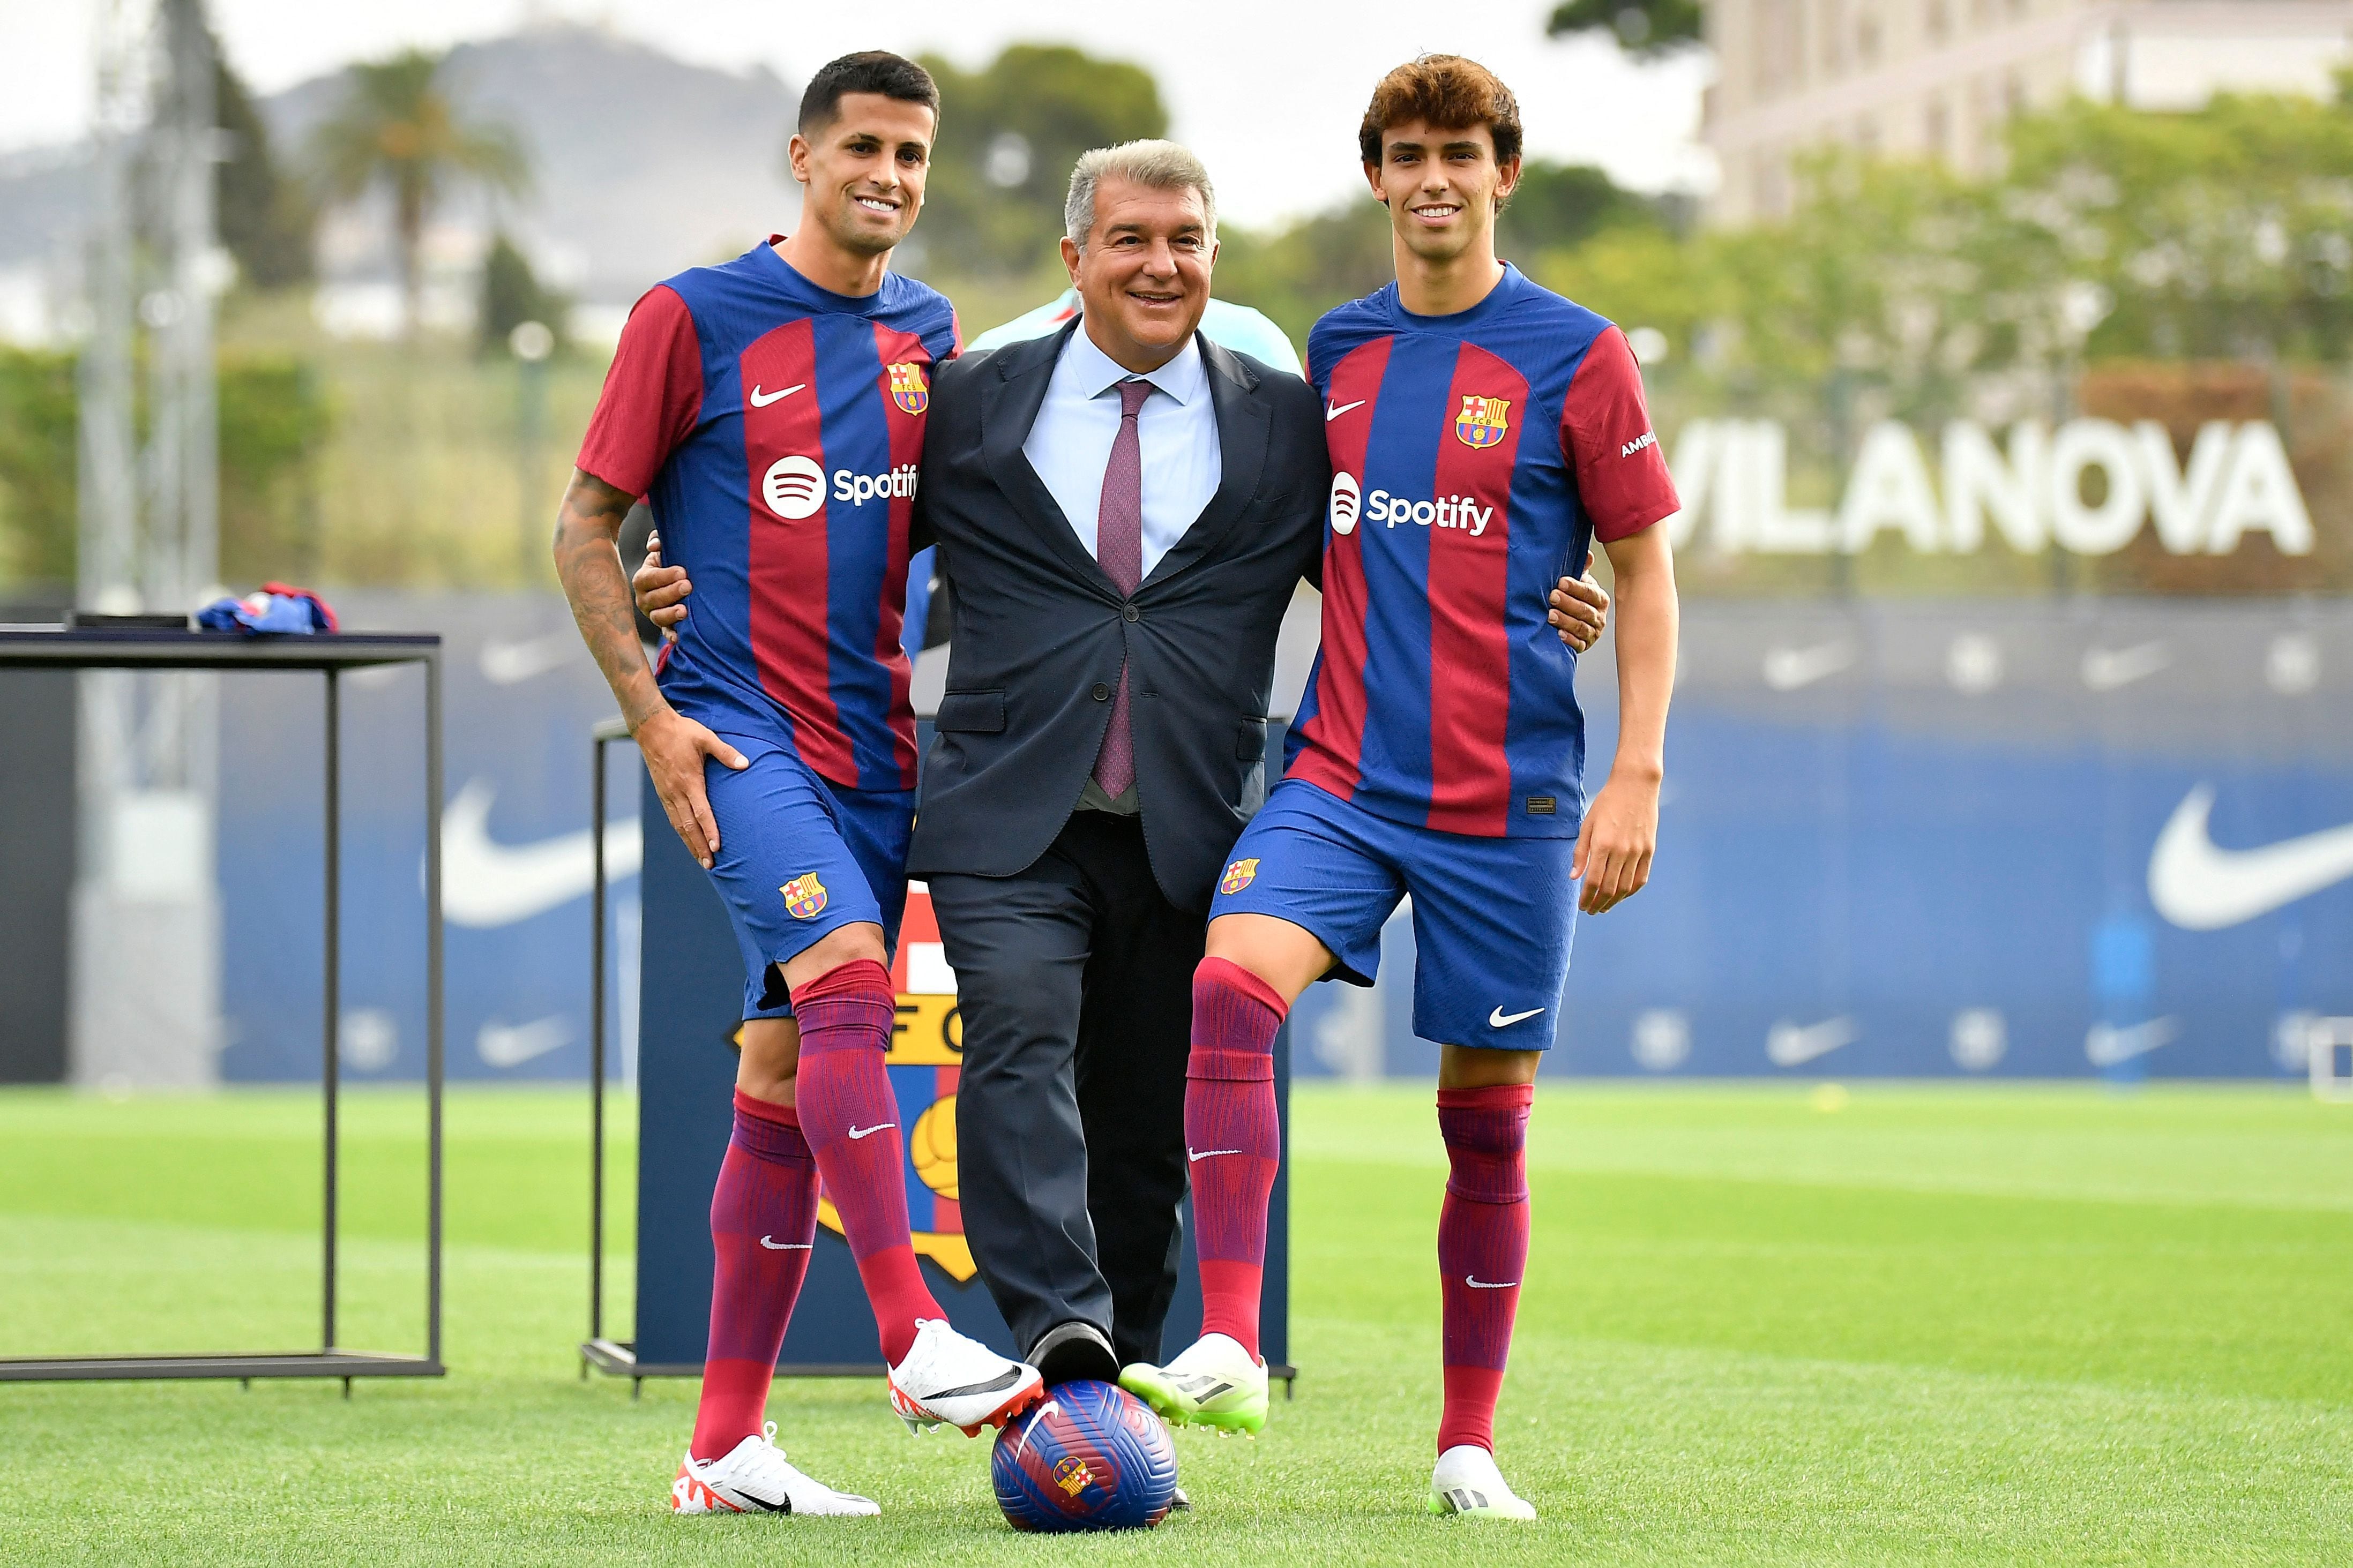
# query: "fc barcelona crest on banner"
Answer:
x=804 y=897
x=925 y=1059
x=907 y=388
x=1483 y=420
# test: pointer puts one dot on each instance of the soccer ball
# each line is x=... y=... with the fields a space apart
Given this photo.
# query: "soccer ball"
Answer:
x=1091 y=1457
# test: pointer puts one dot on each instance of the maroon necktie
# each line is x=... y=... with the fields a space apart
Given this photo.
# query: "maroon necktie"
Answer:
x=1119 y=551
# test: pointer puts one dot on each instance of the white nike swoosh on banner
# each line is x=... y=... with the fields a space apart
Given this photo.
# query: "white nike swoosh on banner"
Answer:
x=510 y=663
x=2200 y=886
x=760 y=401
x=1788 y=1045
x=2104 y=669
x=1787 y=668
x=1332 y=413
x=500 y=1046
x=784 y=1245
x=858 y=1132
x=1208 y=1153
x=2105 y=1045
x=485 y=883
x=1478 y=1284
x=1499 y=1019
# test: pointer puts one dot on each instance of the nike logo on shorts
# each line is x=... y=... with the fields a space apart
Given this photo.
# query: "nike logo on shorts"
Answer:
x=1499 y=1019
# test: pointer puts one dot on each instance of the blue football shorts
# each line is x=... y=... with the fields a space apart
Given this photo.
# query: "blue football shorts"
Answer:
x=800 y=855
x=1491 y=917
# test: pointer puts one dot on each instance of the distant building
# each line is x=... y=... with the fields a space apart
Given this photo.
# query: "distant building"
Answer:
x=1938 y=78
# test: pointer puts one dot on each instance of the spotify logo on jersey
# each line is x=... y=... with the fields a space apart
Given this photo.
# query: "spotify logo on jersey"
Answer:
x=1344 y=502
x=795 y=488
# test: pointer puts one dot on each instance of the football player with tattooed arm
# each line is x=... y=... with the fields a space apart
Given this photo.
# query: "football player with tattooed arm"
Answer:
x=772 y=409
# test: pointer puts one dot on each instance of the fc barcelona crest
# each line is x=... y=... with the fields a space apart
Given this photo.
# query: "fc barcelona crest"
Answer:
x=907 y=388
x=804 y=897
x=1483 y=420
x=1240 y=874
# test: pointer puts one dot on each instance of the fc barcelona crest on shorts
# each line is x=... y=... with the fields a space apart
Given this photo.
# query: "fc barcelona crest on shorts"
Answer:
x=1482 y=420
x=907 y=388
x=1240 y=874
x=804 y=897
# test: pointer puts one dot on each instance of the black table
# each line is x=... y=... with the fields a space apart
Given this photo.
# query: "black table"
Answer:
x=330 y=654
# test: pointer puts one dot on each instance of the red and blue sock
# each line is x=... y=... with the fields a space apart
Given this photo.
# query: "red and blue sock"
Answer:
x=851 y=1120
x=1233 y=1139
x=762 y=1221
x=1482 y=1249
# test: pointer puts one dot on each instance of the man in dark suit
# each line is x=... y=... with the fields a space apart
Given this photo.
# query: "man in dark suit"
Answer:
x=1123 y=510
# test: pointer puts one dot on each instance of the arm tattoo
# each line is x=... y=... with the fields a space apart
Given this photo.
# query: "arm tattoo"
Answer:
x=588 y=563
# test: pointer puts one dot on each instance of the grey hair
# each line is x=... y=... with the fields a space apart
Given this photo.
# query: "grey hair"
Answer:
x=1155 y=165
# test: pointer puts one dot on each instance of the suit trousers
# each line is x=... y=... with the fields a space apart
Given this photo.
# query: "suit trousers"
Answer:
x=1074 y=983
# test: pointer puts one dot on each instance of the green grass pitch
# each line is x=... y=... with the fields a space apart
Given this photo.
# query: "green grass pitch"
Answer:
x=1961 y=1324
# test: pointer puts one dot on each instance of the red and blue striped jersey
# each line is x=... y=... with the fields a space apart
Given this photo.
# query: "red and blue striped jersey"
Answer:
x=776 y=428
x=1474 y=458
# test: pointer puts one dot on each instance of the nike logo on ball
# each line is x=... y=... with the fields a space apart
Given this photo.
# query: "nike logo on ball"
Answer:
x=784 y=1245
x=857 y=1132
x=1499 y=1019
x=760 y=401
x=1207 y=1153
x=1332 y=413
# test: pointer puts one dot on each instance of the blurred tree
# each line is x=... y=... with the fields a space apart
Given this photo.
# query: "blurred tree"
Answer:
x=274 y=425
x=1646 y=29
x=398 y=127
x=1558 y=205
x=266 y=218
x=37 y=436
x=512 y=294
x=1008 y=135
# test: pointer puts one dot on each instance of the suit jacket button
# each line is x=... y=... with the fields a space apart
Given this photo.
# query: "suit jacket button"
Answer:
x=1131 y=615
x=1102 y=693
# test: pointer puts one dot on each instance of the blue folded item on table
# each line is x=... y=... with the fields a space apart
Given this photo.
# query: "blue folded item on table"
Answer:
x=273 y=607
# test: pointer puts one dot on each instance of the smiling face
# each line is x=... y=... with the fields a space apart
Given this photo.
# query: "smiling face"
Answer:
x=1144 y=274
x=1443 y=185
x=864 y=171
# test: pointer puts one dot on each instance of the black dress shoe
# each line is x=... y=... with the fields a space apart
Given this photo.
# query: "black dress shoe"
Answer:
x=1073 y=1350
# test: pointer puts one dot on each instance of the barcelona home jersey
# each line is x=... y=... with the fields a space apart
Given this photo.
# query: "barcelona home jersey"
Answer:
x=1474 y=458
x=776 y=428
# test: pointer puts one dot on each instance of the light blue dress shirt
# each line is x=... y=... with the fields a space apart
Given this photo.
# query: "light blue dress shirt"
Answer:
x=1070 y=444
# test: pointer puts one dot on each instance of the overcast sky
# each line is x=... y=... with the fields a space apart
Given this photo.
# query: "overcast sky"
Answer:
x=1252 y=84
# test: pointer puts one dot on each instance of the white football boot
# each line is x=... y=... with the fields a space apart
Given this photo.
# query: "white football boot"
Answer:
x=949 y=1379
x=752 y=1478
x=1213 y=1382
x=1467 y=1483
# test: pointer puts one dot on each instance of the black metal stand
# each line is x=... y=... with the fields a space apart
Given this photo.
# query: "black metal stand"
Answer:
x=330 y=654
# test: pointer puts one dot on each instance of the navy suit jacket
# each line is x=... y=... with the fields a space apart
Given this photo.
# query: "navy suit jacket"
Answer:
x=1039 y=633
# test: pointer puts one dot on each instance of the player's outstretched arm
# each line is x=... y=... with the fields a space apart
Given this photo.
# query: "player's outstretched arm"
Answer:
x=588 y=563
x=1621 y=825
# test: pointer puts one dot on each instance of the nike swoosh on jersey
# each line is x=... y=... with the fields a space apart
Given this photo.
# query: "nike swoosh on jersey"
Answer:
x=760 y=401
x=1499 y=1019
x=2200 y=886
x=1332 y=413
x=784 y=1245
x=858 y=1132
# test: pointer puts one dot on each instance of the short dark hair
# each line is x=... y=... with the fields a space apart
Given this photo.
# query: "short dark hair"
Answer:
x=869 y=70
x=1446 y=91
